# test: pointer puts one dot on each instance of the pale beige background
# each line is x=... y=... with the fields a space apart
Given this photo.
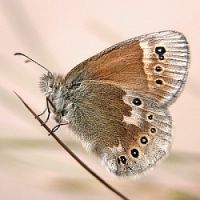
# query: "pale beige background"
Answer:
x=59 y=35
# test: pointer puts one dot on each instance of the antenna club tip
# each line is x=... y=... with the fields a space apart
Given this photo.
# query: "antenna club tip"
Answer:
x=17 y=54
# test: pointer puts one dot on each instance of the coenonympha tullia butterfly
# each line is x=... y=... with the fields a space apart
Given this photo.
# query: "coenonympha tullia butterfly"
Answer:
x=116 y=101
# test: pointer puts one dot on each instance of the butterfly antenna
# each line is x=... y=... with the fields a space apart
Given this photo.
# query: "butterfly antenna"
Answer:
x=30 y=59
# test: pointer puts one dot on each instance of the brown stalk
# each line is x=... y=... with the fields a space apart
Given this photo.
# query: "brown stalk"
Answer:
x=71 y=153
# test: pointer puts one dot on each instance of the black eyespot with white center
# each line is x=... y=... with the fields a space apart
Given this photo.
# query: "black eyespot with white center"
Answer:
x=144 y=140
x=150 y=117
x=153 y=130
x=161 y=57
x=122 y=159
x=137 y=102
x=158 y=68
x=160 y=51
x=134 y=153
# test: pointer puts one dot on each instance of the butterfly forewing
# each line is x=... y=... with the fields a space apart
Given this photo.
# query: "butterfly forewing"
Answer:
x=154 y=64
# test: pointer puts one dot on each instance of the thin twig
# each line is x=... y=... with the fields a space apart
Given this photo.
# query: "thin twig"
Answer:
x=71 y=153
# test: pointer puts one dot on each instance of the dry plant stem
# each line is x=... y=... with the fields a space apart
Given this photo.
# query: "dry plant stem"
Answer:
x=71 y=153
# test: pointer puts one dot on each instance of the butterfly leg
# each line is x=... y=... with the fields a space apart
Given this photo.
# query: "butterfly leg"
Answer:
x=55 y=128
x=42 y=112
x=48 y=103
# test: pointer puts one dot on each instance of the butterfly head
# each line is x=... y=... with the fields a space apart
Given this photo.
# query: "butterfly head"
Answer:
x=55 y=88
x=48 y=83
x=51 y=83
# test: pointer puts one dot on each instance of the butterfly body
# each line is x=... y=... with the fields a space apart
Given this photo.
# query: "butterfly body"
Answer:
x=116 y=101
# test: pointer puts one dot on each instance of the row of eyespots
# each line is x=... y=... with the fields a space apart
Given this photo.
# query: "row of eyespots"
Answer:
x=152 y=129
x=160 y=51
x=134 y=151
x=143 y=139
x=138 y=102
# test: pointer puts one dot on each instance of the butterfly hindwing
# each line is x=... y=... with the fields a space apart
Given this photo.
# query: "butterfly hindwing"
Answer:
x=127 y=136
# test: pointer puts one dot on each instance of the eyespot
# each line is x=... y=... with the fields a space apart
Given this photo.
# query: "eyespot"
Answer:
x=137 y=101
x=160 y=50
x=150 y=117
x=122 y=159
x=159 y=82
x=153 y=130
x=144 y=140
x=158 y=68
x=161 y=57
x=134 y=153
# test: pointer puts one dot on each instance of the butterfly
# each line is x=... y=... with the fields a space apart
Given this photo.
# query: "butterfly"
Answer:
x=116 y=102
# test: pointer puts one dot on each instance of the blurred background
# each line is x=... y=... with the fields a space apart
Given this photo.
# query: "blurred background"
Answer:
x=59 y=35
